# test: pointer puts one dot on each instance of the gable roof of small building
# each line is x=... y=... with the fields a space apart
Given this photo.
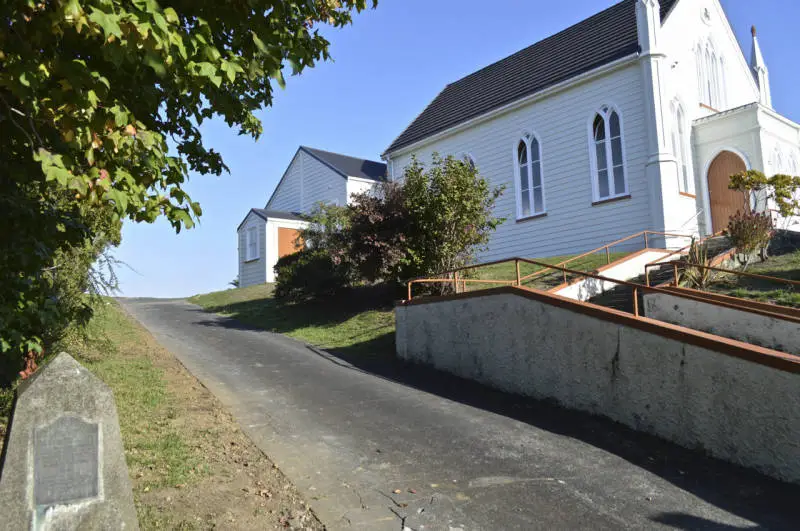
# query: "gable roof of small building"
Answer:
x=342 y=165
x=601 y=39
x=272 y=214
x=349 y=166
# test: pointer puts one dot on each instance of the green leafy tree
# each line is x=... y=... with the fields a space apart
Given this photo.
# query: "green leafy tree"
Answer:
x=450 y=214
x=761 y=192
x=379 y=229
x=101 y=108
x=436 y=219
x=751 y=229
x=324 y=264
x=327 y=229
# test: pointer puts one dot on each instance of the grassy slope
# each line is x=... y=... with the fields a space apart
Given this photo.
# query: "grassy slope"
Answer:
x=144 y=405
x=185 y=454
x=786 y=266
x=360 y=322
x=547 y=280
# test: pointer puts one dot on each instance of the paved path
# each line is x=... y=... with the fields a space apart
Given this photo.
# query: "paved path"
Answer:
x=349 y=434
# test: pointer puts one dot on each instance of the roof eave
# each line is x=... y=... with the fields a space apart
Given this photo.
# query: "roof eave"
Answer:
x=330 y=166
x=252 y=211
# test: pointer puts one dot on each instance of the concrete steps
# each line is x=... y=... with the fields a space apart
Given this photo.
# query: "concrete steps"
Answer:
x=621 y=297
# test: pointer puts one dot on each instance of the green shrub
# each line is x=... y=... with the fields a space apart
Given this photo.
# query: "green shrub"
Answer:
x=310 y=273
x=750 y=233
x=451 y=215
x=436 y=219
x=698 y=277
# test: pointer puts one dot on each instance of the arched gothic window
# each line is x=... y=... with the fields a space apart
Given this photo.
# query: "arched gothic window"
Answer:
x=710 y=76
x=529 y=177
x=680 y=148
x=607 y=155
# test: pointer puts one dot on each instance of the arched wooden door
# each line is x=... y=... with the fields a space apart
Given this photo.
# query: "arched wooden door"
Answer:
x=724 y=201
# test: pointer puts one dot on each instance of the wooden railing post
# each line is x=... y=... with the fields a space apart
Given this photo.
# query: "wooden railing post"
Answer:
x=519 y=282
x=636 y=302
x=608 y=256
x=455 y=282
x=409 y=291
x=646 y=244
x=565 y=276
x=647 y=275
x=675 y=272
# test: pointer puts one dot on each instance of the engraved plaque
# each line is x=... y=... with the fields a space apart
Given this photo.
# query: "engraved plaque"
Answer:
x=66 y=462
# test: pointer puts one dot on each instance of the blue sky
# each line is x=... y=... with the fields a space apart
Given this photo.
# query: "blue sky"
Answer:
x=388 y=66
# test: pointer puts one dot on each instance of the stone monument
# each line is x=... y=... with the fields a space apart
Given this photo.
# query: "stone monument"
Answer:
x=64 y=464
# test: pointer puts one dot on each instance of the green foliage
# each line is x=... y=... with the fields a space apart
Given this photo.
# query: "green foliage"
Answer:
x=750 y=233
x=310 y=273
x=327 y=229
x=450 y=215
x=779 y=191
x=437 y=219
x=101 y=108
x=379 y=234
x=698 y=277
x=324 y=266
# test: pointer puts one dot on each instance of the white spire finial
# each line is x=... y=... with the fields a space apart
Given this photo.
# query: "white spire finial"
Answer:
x=648 y=24
x=760 y=71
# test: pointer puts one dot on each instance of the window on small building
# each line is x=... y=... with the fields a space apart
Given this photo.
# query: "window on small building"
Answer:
x=710 y=76
x=680 y=148
x=252 y=244
x=607 y=155
x=529 y=182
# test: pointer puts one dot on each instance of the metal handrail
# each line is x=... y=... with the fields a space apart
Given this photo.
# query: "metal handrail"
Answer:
x=561 y=264
x=684 y=249
x=676 y=263
x=607 y=248
x=456 y=281
x=636 y=287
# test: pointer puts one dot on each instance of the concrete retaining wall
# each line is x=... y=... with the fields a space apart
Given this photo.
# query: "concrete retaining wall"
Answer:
x=771 y=332
x=591 y=287
x=738 y=410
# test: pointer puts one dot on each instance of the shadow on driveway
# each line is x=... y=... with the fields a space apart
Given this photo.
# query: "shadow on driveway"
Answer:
x=769 y=503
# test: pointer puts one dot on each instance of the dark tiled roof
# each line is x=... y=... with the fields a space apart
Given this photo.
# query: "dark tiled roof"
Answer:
x=272 y=214
x=295 y=216
x=598 y=40
x=349 y=166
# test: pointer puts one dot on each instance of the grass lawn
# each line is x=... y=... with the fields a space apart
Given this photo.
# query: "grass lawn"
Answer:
x=360 y=322
x=190 y=465
x=545 y=281
x=785 y=266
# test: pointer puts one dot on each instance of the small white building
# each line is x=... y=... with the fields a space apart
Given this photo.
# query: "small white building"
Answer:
x=631 y=120
x=314 y=176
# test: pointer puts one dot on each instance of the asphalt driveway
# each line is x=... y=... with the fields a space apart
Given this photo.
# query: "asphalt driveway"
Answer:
x=350 y=433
